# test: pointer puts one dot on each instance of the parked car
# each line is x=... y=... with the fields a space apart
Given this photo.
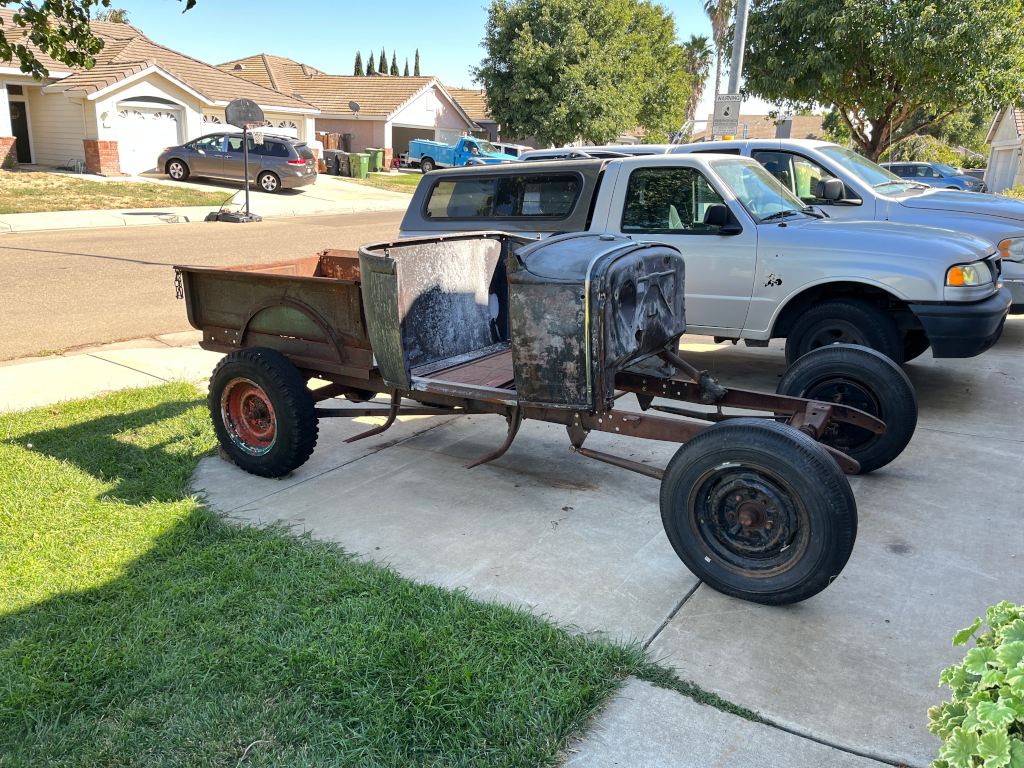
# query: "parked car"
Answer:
x=606 y=151
x=761 y=262
x=512 y=150
x=936 y=175
x=280 y=162
x=869 y=191
x=429 y=155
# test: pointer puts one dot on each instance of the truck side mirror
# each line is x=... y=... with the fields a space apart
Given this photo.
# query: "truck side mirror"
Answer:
x=830 y=189
x=717 y=215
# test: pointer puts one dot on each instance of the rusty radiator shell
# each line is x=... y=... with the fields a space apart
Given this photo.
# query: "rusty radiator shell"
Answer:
x=584 y=307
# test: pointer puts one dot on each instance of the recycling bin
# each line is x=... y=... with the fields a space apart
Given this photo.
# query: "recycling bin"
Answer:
x=359 y=164
x=376 y=158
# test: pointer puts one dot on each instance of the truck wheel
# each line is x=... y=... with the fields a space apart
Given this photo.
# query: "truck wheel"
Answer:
x=865 y=379
x=759 y=511
x=426 y=165
x=262 y=411
x=915 y=344
x=844 y=321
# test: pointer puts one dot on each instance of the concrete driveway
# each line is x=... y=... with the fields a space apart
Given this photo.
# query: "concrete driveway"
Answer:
x=856 y=667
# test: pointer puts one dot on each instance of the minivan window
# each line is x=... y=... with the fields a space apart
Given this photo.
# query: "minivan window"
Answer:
x=275 y=149
x=496 y=197
x=666 y=200
x=305 y=153
x=210 y=143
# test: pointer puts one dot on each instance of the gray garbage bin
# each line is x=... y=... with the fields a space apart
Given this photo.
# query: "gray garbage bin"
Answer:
x=341 y=164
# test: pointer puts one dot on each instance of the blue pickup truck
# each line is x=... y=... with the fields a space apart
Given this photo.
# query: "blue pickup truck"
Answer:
x=432 y=154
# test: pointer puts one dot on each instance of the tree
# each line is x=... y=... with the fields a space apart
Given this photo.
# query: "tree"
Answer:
x=720 y=12
x=394 y=64
x=113 y=15
x=58 y=28
x=406 y=73
x=416 y=66
x=697 y=55
x=358 y=71
x=878 y=64
x=382 y=66
x=590 y=69
x=369 y=65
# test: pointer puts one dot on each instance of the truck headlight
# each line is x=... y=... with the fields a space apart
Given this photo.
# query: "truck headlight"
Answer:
x=977 y=273
x=1012 y=249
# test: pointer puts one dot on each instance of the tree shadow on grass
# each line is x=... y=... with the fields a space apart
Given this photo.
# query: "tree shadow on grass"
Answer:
x=130 y=451
x=222 y=636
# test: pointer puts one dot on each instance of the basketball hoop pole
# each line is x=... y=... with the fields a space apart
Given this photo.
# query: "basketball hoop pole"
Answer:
x=245 y=151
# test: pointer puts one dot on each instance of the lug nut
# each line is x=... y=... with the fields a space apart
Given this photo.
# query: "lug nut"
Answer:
x=769 y=525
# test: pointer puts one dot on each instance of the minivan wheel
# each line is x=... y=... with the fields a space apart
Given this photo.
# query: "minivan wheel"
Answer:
x=844 y=321
x=177 y=170
x=269 y=182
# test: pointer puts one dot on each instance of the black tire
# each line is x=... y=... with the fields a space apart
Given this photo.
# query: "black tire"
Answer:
x=844 y=321
x=268 y=182
x=801 y=511
x=427 y=165
x=865 y=379
x=177 y=169
x=915 y=344
x=262 y=411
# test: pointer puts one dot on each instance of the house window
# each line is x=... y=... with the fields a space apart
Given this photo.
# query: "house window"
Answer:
x=15 y=90
x=287 y=124
x=430 y=101
x=211 y=119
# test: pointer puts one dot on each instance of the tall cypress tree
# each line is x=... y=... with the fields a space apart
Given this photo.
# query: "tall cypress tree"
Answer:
x=406 y=67
x=369 y=65
x=394 y=64
x=359 y=65
x=416 y=66
x=382 y=66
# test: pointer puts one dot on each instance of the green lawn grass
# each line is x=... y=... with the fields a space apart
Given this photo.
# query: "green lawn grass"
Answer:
x=403 y=182
x=137 y=628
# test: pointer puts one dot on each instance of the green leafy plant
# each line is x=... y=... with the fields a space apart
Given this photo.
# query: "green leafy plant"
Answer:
x=1017 y=193
x=983 y=726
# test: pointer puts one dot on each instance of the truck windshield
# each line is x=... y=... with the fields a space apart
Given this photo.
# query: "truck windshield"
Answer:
x=874 y=175
x=487 y=148
x=757 y=190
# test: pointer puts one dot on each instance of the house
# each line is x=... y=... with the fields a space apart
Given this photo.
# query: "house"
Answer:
x=139 y=98
x=1006 y=138
x=766 y=127
x=392 y=111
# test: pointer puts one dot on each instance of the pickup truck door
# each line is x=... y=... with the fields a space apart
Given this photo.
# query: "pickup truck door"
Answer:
x=666 y=203
x=464 y=151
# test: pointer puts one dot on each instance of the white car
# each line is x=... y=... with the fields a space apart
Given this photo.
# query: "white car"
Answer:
x=869 y=191
x=760 y=262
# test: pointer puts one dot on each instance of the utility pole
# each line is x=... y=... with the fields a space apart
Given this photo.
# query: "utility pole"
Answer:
x=739 y=43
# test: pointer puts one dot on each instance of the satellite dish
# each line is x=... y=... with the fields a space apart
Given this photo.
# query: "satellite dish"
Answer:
x=354 y=106
x=241 y=112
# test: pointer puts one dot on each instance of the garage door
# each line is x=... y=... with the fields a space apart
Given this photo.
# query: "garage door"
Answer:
x=142 y=134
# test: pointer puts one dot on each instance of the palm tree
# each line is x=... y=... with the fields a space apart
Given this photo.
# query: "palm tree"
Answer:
x=697 y=55
x=720 y=13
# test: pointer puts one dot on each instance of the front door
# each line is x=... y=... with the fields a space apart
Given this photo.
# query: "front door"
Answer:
x=207 y=156
x=19 y=126
x=667 y=203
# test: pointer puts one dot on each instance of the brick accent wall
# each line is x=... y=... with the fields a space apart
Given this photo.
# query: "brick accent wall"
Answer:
x=8 y=154
x=102 y=158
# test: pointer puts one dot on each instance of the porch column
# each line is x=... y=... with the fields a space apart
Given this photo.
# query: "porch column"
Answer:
x=8 y=152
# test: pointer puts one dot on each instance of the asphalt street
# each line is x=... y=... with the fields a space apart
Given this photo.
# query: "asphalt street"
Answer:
x=68 y=288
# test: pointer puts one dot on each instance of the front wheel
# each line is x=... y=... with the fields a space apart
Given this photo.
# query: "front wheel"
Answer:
x=269 y=182
x=262 y=411
x=427 y=165
x=177 y=170
x=759 y=511
x=864 y=379
x=844 y=321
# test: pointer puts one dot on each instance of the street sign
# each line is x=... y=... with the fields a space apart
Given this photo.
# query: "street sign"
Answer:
x=727 y=114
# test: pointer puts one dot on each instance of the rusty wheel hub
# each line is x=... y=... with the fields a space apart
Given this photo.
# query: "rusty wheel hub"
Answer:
x=248 y=416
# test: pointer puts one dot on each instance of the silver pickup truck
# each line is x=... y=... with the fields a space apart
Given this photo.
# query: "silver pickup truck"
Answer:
x=761 y=263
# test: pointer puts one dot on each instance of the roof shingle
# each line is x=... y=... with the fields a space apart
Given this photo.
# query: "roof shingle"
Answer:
x=472 y=101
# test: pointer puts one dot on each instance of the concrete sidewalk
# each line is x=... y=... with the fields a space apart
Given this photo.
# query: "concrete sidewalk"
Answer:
x=329 y=195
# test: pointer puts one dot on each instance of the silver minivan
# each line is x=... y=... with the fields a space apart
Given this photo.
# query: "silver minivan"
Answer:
x=280 y=162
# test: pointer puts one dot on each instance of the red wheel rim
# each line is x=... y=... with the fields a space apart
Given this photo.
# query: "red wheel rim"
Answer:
x=248 y=416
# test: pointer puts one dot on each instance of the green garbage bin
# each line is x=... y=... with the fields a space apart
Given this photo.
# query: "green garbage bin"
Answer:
x=376 y=159
x=359 y=164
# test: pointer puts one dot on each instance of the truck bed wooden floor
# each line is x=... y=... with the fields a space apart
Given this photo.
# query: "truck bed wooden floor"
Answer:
x=489 y=367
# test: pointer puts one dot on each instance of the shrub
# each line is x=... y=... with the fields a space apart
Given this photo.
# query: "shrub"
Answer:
x=984 y=723
x=1017 y=193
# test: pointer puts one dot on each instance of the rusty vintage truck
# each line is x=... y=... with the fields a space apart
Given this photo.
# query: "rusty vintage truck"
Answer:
x=562 y=330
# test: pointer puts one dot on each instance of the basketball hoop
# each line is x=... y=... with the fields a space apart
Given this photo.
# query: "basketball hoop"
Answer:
x=255 y=129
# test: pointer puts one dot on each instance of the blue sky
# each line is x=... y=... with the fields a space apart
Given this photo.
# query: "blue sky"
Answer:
x=326 y=35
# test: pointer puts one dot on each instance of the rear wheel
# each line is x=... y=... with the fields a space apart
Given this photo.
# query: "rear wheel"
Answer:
x=262 y=411
x=864 y=379
x=177 y=170
x=269 y=182
x=844 y=321
x=427 y=165
x=759 y=511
